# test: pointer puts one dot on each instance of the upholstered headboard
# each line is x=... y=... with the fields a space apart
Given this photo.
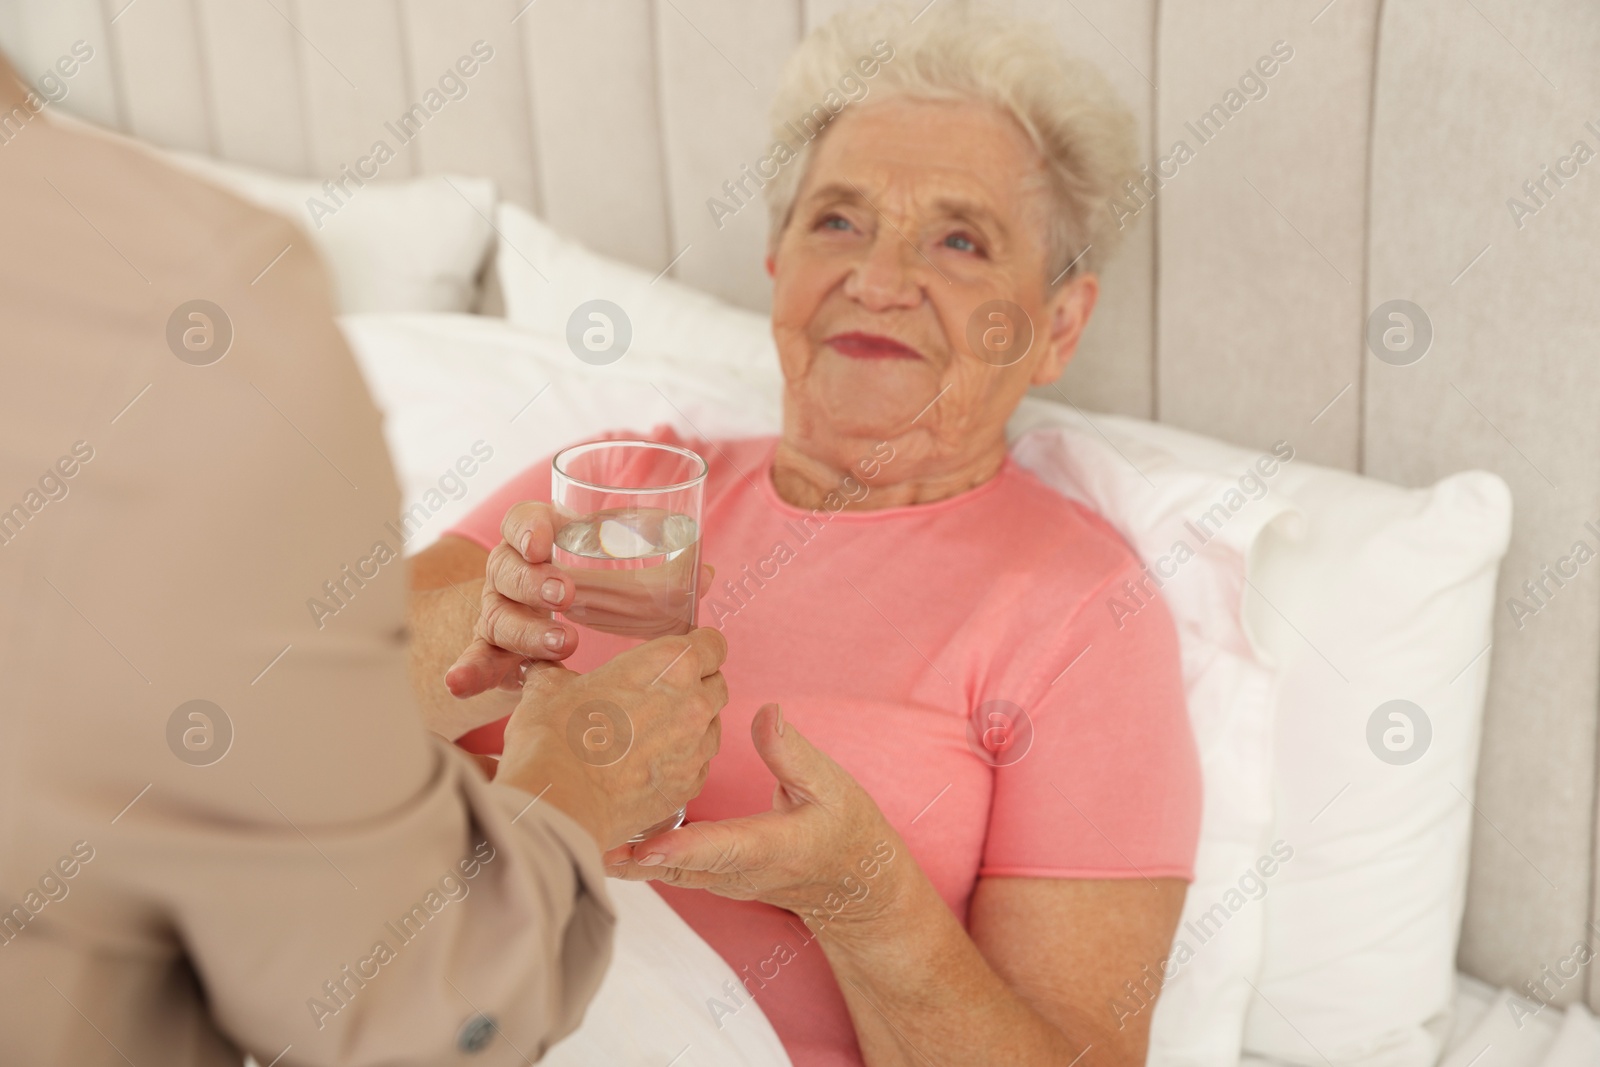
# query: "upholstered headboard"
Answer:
x=1382 y=164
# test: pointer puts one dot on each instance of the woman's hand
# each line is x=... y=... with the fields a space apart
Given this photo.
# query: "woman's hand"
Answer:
x=919 y=990
x=824 y=851
x=624 y=746
x=522 y=589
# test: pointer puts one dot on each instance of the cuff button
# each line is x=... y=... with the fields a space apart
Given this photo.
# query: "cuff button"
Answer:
x=476 y=1033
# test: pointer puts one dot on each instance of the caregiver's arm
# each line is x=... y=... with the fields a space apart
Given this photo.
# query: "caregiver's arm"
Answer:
x=250 y=900
x=1033 y=984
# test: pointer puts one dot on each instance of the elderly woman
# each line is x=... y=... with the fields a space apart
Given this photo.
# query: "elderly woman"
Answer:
x=998 y=839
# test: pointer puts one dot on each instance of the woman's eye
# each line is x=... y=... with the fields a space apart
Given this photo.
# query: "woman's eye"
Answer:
x=835 y=222
x=961 y=243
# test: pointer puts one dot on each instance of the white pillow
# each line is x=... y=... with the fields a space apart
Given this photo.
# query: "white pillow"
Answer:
x=1394 y=590
x=416 y=244
x=447 y=383
x=1158 y=502
x=1381 y=594
x=545 y=278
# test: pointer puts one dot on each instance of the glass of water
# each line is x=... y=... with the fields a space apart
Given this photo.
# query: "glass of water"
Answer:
x=633 y=547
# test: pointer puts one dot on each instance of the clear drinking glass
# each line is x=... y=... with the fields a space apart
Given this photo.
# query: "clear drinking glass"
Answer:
x=634 y=548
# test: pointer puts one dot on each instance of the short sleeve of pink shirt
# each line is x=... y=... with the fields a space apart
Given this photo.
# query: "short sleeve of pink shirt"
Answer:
x=1105 y=782
x=991 y=667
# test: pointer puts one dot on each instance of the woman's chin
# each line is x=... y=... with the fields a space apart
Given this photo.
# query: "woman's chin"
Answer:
x=868 y=399
x=841 y=421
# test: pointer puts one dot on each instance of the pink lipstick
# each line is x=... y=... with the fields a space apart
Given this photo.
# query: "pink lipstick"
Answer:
x=859 y=345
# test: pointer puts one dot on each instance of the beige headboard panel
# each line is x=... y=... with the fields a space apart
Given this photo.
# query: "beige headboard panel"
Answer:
x=1379 y=166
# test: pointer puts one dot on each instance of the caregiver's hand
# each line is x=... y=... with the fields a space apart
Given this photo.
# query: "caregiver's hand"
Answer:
x=521 y=588
x=624 y=746
x=824 y=851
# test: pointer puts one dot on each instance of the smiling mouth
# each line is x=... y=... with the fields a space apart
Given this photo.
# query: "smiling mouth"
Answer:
x=858 y=345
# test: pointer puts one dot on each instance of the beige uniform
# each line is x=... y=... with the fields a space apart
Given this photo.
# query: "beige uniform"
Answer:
x=291 y=866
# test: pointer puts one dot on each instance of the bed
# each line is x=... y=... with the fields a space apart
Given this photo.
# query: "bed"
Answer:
x=1376 y=172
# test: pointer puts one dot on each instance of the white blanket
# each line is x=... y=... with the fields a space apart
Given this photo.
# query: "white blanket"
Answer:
x=655 y=1005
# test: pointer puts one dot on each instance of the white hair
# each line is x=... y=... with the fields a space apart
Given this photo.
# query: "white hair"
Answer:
x=963 y=51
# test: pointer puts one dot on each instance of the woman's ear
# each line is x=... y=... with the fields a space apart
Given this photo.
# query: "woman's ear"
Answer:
x=772 y=266
x=1068 y=309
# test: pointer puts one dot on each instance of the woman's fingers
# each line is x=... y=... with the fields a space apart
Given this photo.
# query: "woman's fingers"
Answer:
x=711 y=743
x=480 y=668
x=530 y=528
x=730 y=847
x=524 y=631
x=716 y=883
x=628 y=869
x=538 y=585
x=804 y=773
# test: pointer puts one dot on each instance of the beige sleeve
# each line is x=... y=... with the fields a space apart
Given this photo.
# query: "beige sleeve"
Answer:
x=303 y=871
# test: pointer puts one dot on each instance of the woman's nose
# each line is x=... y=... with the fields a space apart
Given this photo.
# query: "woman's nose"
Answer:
x=888 y=276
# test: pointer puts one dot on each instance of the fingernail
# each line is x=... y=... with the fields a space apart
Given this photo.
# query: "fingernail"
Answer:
x=527 y=546
x=780 y=719
x=553 y=639
x=652 y=860
x=552 y=590
x=712 y=569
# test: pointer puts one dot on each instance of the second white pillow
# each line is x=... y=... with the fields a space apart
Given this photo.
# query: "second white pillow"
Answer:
x=547 y=280
x=415 y=244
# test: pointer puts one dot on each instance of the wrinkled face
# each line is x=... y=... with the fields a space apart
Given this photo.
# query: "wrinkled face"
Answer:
x=912 y=220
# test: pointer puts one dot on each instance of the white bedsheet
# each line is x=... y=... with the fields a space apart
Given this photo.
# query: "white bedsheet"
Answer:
x=656 y=1003
x=1497 y=1028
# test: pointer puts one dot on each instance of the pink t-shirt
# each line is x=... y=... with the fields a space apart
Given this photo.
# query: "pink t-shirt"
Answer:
x=961 y=660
